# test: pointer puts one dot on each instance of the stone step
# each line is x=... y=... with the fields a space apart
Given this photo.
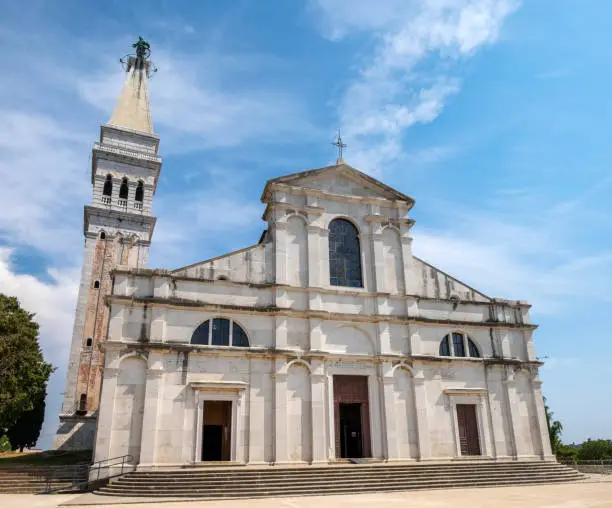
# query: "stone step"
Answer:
x=305 y=491
x=297 y=477
x=171 y=483
x=323 y=483
x=297 y=481
x=348 y=487
x=315 y=470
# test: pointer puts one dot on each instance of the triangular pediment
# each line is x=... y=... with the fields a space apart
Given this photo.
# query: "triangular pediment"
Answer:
x=339 y=179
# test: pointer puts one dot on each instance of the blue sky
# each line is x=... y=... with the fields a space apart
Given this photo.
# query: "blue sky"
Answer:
x=494 y=115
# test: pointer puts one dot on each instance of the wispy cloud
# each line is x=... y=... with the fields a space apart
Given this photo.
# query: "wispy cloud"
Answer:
x=408 y=77
x=516 y=257
x=195 y=106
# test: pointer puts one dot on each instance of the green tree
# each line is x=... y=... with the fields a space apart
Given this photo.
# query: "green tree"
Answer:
x=5 y=444
x=567 y=452
x=555 y=429
x=26 y=430
x=23 y=370
x=597 y=449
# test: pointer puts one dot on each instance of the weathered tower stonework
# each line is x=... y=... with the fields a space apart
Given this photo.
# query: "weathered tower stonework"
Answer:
x=118 y=226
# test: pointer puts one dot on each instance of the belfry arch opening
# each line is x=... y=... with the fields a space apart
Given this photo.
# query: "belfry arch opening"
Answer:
x=108 y=186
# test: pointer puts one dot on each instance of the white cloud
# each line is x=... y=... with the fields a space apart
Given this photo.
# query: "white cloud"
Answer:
x=53 y=303
x=43 y=169
x=407 y=78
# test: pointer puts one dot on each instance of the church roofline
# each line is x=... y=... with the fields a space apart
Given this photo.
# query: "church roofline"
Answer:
x=455 y=279
x=244 y=249
x=287 y=179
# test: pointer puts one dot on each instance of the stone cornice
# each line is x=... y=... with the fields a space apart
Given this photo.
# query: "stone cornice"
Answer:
x=273 y=205
x=273 y=310
x=219 y=385
x=299 y=190
x=91 y=235
x=290 y=354
x=394 y=221
x=117 y=215
x=171 y=274
x=132 y=132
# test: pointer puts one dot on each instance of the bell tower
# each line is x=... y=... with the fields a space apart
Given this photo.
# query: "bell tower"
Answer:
x=118 y=226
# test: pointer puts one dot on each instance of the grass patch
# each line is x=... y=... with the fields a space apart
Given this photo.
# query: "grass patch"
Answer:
x=48 y=458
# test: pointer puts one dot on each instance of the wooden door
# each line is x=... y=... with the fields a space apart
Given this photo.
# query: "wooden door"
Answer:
x=352 y=390
x=469 y=441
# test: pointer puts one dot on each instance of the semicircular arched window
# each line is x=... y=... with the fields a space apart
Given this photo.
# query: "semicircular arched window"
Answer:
x=220 y=332
x=458 y=344
x=344 y=254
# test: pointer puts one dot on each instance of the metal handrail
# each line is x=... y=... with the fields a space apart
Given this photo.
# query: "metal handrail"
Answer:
x=82 y=474
x=124 y=459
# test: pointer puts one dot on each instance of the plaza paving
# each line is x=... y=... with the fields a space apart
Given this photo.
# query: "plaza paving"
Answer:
x=596 y=492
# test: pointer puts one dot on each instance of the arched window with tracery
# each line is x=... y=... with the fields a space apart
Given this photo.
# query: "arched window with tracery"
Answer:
x=344 y=254
x=220 y=332
x=123 y=190
x=139 y=196
x=458 y=344
x=108 y=186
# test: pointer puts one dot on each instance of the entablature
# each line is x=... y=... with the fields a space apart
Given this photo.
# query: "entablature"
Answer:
x=274 y=310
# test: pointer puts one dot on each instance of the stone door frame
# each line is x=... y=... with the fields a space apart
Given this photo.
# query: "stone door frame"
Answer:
x=354 y=368
x=226 y=392
x=474 y=397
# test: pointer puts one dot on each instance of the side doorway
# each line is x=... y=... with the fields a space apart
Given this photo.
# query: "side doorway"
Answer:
x=469 y=439
x=216 y=434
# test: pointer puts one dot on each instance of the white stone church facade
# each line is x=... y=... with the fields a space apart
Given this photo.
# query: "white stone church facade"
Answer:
x=328 y=339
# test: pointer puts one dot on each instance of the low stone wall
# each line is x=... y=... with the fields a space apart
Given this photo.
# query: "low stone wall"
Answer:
x=591 y=466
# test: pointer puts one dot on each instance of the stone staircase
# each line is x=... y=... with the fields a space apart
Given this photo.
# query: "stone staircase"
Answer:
x=33 y=480
x=252 y=482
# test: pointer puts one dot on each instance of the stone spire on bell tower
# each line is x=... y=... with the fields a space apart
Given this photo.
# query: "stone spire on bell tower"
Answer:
x=132 y=110
x=118 y=226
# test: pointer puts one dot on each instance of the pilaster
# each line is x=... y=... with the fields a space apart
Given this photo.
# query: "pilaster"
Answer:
x=421 y=403
x=280 y=252
x=513 y=417
x=542 y=430
x=378 y=261
x=150 y=418
x=280 y=421
x=410 y=283
x=392 y=444
x=102 y=449
x=318 y=389
x=314 y=261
